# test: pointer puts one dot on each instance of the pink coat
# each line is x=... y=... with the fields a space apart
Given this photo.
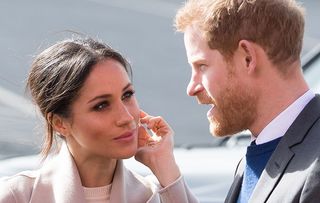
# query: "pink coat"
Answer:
x=58 y=181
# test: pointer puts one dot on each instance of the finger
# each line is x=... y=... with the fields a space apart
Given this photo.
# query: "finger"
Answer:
x=143 y=137
x=143 y=113
x=156 y=123
x=151 y=121
x=145 y=119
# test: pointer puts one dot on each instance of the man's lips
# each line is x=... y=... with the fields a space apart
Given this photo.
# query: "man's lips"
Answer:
x=210 y=112
x=205 y=99
x=208 y=101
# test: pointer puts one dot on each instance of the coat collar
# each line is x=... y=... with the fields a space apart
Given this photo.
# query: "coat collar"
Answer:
x=130 y=187
x=59 y=181
x=283 y=154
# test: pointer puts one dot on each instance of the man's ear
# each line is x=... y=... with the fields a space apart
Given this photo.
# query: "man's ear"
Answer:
x=248 y=54
x=60 y=125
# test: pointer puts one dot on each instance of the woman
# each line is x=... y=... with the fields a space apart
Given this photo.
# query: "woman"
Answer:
x=83 y=91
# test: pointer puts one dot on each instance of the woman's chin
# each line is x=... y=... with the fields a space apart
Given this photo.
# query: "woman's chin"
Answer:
x=129 y=153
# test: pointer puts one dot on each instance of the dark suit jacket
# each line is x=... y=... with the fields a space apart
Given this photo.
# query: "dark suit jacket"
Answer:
x=292 y=173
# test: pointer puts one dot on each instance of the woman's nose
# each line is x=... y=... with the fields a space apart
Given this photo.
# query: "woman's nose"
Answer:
x=124 y=116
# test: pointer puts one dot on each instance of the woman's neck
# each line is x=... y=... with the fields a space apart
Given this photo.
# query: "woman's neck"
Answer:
x=94 y=170
x=95 y=173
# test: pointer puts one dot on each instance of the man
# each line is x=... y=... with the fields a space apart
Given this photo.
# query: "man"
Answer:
x=244 y=56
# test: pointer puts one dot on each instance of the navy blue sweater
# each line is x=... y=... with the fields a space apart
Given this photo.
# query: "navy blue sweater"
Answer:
x=257 y=157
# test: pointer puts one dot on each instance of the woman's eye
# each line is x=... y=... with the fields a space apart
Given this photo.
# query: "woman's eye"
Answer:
x=127 y=94
x=101 y=106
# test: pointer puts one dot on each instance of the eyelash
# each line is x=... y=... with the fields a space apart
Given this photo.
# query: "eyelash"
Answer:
x=128 y=94
x=104 y=104
x=100 y=106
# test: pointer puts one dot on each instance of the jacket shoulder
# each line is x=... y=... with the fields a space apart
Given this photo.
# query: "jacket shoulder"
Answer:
x=17 y=188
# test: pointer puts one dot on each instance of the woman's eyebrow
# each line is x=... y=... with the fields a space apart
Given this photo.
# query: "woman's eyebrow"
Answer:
x=106 y=96
x=127 y=86
x=103 y=96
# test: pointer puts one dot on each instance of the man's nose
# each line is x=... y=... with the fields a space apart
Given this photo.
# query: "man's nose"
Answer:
x=194 y=86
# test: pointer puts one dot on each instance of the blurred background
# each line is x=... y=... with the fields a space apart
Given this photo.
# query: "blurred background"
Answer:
x=143 y=31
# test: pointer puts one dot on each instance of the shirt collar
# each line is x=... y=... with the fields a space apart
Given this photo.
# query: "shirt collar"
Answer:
x=280 y=124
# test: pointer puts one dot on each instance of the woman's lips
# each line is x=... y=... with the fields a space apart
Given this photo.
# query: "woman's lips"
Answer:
x=128 y=136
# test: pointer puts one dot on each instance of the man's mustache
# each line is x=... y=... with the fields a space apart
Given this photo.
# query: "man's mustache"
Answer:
x=204 y=98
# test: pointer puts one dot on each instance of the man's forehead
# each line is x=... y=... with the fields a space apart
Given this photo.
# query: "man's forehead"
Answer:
x=196 y=47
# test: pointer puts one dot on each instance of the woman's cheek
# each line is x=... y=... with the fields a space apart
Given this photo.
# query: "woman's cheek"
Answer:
x=135 y=110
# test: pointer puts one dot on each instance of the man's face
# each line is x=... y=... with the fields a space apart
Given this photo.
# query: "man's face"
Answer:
x=216 y=82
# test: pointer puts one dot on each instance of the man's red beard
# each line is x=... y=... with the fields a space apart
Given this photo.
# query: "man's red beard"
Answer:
x=235 y=111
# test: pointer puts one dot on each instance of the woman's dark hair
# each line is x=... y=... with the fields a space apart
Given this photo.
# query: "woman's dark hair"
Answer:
x=58 y=73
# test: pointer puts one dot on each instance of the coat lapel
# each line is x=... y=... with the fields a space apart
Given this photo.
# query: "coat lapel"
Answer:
x=271 y=174
x=59 y=181
x=283 y=154
x=118 y=193
x=128 y=187
x=236 y=184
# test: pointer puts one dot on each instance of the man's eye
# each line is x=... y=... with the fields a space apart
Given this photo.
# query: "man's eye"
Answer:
x=101 y=106
x=202 y=67
x=127 y=94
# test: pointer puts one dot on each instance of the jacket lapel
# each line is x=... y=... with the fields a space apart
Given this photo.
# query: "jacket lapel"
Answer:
x=118 y=193
x=59 y=181
x=283 y=154
x=272 y=173
x=236 y=184
x=130 y=187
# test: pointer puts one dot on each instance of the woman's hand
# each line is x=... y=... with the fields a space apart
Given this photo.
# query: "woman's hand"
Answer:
x=156 y=151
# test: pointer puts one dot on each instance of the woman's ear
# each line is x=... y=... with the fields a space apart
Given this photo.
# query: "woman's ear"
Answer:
x=248 y=55
x=60 y=125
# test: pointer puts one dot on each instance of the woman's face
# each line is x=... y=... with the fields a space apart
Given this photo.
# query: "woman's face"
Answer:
x=105 y=115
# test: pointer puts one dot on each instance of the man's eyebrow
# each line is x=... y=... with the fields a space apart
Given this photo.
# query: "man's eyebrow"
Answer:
x=196 y=59
x=197 y=62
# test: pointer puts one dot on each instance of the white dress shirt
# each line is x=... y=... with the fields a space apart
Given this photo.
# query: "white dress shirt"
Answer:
x=280 y=124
